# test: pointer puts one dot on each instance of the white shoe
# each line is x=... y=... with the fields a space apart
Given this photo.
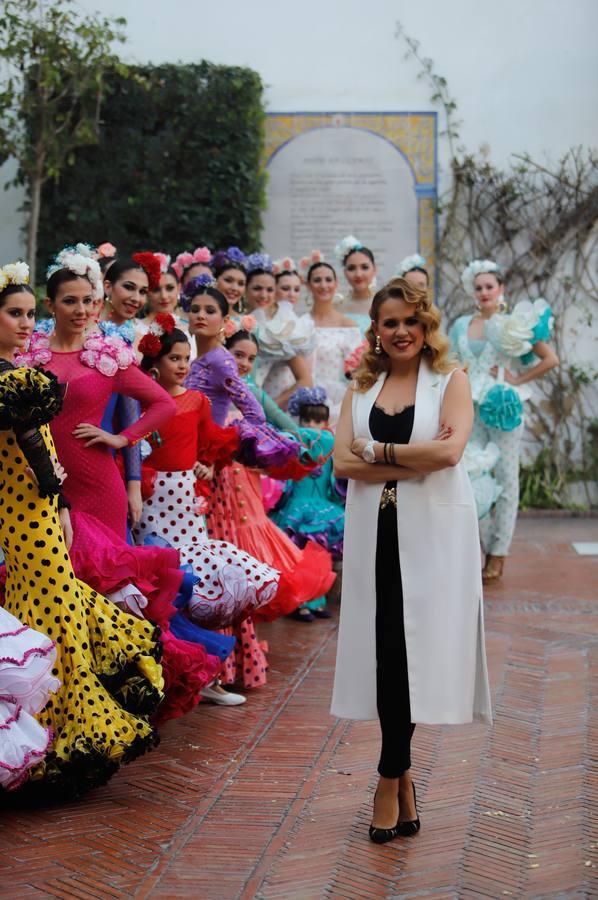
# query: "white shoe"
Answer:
x=221 y=697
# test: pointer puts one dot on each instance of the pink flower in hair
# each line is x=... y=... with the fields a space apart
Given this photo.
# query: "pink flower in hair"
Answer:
x=304 y=262
x=181 y=262
x=316 y=256
x=202 y=255
x=230 y=327
x=248 y=323
x=105 y=250
x=287 y=263
x=164 y=260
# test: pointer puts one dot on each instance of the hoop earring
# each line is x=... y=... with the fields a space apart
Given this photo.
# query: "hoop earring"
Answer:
x=378 y=347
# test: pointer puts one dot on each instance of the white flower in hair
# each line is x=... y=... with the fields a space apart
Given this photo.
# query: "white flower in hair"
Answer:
x=15 y=273
x=475 y=268
x=346 y=246
x=415 y=261
x=80 y=261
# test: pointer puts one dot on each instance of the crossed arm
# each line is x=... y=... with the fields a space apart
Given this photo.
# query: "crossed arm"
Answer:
x=414 y=459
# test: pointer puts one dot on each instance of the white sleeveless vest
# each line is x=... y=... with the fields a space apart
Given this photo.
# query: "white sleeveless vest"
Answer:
x=439 y=550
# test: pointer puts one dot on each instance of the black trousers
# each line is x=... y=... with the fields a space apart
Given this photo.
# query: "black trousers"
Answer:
x=392 y=678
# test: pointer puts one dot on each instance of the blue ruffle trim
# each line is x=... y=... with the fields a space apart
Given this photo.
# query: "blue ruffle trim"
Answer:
x=501 y=408
x=541 y=332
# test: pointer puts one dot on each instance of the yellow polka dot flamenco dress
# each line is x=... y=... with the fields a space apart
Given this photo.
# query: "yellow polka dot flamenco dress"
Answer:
x=107 y=662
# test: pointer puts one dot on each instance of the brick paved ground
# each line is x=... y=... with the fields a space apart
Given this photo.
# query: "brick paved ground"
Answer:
x=273 y=799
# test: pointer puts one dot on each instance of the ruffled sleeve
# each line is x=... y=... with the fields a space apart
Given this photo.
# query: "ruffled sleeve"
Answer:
x=514 y=334
x=285 y=335
x=216 y=445
x=28 y=397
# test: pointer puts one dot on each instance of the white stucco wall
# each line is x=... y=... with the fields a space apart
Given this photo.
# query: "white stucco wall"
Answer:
x=524 y=72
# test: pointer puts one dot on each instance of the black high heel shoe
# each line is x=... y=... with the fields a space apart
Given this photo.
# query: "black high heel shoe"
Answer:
x=411 y=827
x=384 y=835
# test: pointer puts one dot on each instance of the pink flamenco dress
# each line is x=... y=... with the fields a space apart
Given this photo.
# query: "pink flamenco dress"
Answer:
x=215 y=374
x=142 y=581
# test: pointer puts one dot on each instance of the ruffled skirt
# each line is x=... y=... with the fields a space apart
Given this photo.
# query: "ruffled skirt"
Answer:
x=26 y=682
x=146 y=581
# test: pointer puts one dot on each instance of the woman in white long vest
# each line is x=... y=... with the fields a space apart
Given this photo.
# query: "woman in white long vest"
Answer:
x=411 y=639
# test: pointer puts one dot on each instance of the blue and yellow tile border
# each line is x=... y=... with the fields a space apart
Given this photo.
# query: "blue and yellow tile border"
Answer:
x=413 y=134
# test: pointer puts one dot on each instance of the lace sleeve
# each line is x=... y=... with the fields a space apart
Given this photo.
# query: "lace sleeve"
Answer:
x=128 y=411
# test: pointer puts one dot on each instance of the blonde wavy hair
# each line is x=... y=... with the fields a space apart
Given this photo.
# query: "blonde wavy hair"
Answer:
x=436 y=344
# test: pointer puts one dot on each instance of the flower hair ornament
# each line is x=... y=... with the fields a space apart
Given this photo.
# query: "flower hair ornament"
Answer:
x=305 y=263
x=105 y=251
x=150 y=263
x=151 y=343
x=80 y=260
x=348 y=245
x=258 y=261
x=306 y=396
x=415 y=261
x=193 y=286
x=164 y=260
x=245 y=323
x=14 y=273
x=475 y=268
x=201 y=256
x=231 y=255
x=284 y=266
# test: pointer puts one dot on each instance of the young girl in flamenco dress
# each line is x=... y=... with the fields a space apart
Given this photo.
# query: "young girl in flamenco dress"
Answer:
x=214 y=373
x=185 y=454
x=308 y=571
x=144 y=581
x=106 y=673
x=312 y=511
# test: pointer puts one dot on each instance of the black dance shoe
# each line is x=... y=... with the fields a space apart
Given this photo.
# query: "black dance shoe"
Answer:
x=384 y=835
x=411 y=827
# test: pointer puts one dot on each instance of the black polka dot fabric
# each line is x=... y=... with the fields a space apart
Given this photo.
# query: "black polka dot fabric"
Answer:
x=107 y=662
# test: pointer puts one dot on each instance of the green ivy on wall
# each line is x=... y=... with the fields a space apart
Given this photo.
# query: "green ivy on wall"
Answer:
x=177 y=165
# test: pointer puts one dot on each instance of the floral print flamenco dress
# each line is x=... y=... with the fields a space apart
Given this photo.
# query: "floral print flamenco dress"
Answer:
x=215 y=374
x=107 y=662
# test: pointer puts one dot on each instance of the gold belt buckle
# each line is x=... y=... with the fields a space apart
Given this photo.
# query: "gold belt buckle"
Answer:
x=388 y=498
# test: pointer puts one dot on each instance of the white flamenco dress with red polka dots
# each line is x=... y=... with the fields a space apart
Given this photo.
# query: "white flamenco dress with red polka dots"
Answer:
x=232 y=584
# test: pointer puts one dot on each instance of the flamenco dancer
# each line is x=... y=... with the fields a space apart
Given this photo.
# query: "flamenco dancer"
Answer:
x=311 y=511
x=163 y=299
x=285 y=339
x=214 y=373
x=230 y=271
x=413 y=269
x=94 y=367
x=503 y=352
x=106 y=675
x=337 y=335
x=411 y=639
x=185 y=455
x=359 y=268
x=307 y=572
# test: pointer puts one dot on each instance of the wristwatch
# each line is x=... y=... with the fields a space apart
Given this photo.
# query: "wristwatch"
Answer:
x=368 y=452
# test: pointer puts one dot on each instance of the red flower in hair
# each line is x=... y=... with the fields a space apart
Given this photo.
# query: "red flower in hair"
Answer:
x=166 y=322
x=150 y=263
x=150 y=345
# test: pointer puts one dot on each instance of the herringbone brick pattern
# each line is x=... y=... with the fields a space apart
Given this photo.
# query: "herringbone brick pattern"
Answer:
x=273 y=799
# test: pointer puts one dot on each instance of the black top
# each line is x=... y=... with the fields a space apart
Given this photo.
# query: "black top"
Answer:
x=392 y=428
